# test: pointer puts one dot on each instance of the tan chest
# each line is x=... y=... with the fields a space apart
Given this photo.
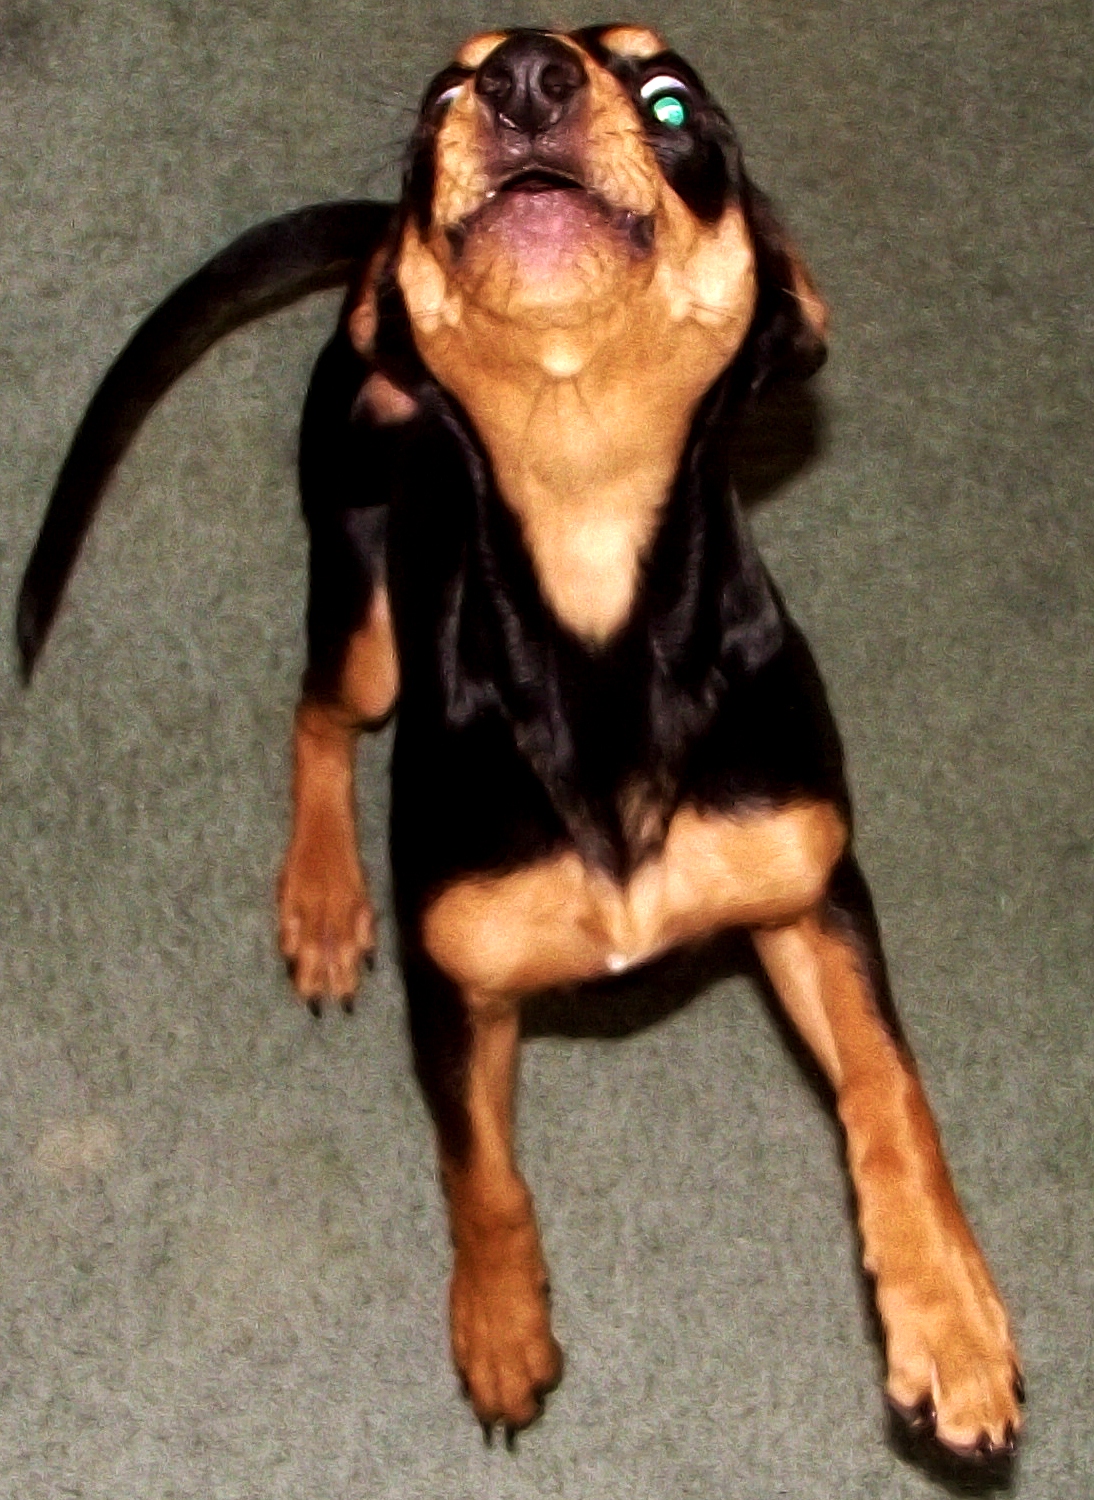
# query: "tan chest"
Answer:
x=558 y=921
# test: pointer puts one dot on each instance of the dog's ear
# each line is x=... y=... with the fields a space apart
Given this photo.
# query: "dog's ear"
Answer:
x=789 y=330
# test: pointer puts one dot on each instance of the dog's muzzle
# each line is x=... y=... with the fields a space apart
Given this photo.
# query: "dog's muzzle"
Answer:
x=531 y=83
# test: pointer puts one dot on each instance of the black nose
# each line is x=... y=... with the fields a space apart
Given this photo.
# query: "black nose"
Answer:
x=531 y=81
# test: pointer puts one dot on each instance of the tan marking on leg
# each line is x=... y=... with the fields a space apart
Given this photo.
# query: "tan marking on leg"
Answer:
x=502 y=1343
x=633 y=41
x=947 y=1339
x=325 y=916
x=370 y=677
x=558 y=921
x=326 y=920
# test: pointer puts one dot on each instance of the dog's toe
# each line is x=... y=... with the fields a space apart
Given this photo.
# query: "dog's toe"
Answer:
x=326 y=931
x=505 y=1354
x=959 y=1389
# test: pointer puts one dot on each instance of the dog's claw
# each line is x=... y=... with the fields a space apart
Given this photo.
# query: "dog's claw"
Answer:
x=924 y=1418
x=487 y=1433
x=315 y=1009
x=1019 y=1388
x=347 y=1006
x=510 y=1438
x=986 y=1462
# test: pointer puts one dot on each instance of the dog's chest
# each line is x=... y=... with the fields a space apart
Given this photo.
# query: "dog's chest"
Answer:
x=559 y=920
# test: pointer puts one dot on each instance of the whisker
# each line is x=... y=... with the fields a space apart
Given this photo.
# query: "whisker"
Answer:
x=388 y=89
x=379 y=101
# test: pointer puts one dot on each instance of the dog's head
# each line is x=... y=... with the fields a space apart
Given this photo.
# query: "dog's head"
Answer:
x=572 y=193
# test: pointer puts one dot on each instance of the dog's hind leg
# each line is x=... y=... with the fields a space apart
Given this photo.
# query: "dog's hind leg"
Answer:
x=326 y=922
x=466 y=1049
x=952 y=1364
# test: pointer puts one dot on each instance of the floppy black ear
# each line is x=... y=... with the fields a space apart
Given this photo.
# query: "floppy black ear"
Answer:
x=789 y=329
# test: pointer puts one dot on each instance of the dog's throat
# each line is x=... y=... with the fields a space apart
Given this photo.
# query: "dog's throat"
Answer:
x=586 y=473
x=586 y=555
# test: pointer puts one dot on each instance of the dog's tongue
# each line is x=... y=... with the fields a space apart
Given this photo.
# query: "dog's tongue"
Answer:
x=540 y=223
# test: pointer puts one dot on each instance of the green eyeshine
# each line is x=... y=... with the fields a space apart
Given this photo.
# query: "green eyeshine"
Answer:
x=669 y=111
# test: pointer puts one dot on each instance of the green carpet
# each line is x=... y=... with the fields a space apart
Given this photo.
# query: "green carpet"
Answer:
x=222 y=1256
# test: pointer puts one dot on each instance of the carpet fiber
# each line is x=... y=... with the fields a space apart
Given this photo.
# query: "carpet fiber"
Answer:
x=222 y=1256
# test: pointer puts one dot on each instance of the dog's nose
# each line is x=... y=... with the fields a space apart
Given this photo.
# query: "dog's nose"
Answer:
x=531 y=81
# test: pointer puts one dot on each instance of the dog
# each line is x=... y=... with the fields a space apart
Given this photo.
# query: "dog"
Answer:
x=612 y=741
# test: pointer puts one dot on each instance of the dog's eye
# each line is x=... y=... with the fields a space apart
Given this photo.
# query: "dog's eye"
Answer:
x=667 y=100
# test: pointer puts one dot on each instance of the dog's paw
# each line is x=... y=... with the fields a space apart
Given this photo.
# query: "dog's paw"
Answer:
x=504 y=1351
x=953 y=1370
x=325 y=918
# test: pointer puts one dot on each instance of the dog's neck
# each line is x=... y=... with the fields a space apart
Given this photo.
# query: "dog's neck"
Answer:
x=585 y=459
x=585 y=413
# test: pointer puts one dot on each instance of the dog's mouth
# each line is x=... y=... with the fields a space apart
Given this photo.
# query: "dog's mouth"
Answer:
x=539 y=180
x=540 y=208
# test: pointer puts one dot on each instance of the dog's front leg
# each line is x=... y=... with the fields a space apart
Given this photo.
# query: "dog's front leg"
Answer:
x=325 y=917
x=326 y=921
x=952 y=1364
x=466 y=1049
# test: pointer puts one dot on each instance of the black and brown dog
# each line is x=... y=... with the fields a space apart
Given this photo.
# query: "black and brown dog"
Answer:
x=611 y=738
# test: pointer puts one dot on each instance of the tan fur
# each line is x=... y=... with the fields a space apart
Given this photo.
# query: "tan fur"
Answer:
x=946 y=1333
x=474 y=52
x=461 y=180
x=326 y=921
x=362 y=320
x=500 y=1321
x=618 y=161
x=370 y=676
x=364 y=317
x=559 y=921
x=633 y=41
